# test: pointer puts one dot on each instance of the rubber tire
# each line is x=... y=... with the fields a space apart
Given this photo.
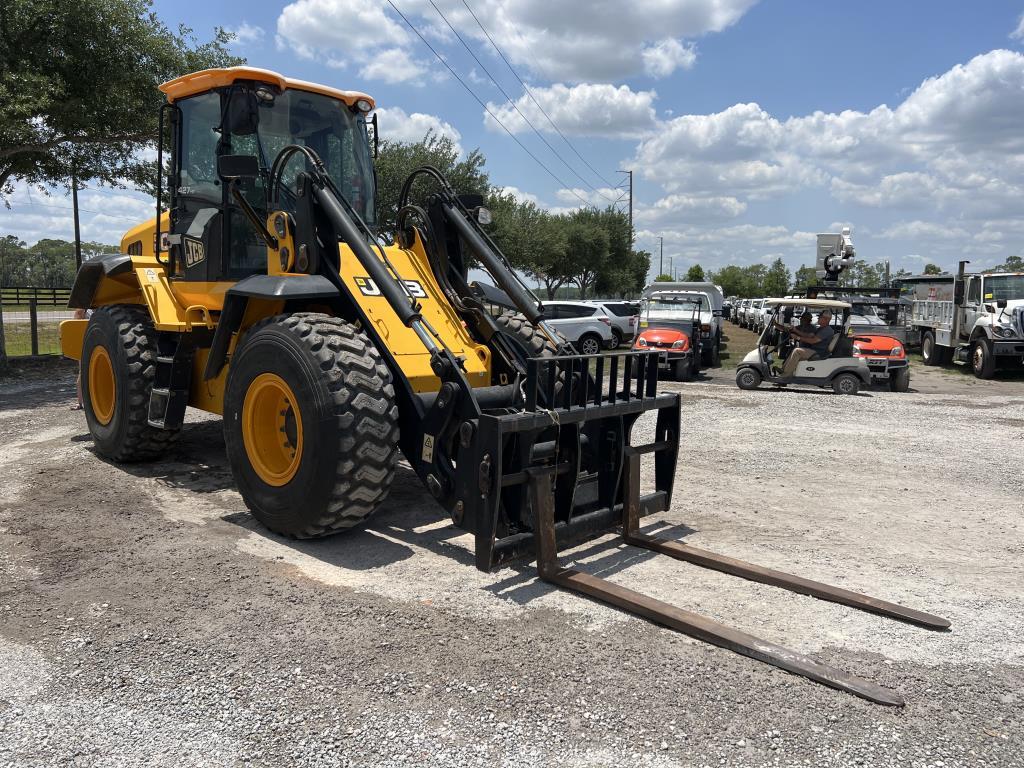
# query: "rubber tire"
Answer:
x=127 y=333
x=349 y=423
x=930 y=354
x=899 y=380
x=681 y=371
x=616 y=341
x=589 y=337
x=846 y=384
x=987 y=369
x=716 y=352
x=517 y=326
x=748 y=378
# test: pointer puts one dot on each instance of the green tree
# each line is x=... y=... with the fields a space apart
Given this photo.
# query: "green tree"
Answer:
x=587 y=248
x=932 y=269
x=803 y=278
x=776 y=280
x=663 y=278
x=1012 y=264
x=733 y=280
x=78 y=87
x=396 y=160
x=695 y=274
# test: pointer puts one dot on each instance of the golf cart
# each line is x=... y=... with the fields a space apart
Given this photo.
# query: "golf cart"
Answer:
x=670 y=323
x=838 y=369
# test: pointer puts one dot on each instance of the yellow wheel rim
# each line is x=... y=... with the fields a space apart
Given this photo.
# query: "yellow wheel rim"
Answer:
x=102 y=387
x=272 y=429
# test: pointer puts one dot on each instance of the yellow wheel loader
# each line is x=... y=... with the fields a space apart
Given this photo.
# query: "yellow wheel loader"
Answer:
x=262 y=293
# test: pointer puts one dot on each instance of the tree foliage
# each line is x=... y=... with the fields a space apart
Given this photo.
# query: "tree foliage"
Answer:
x=1012 y=264
x=695 y=274
x=47 y=264
x=396 y=160
x=78 y=87
x=932 y=269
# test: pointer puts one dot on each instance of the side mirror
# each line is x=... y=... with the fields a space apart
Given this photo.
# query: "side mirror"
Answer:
x=230 y=167
x=1001 y=303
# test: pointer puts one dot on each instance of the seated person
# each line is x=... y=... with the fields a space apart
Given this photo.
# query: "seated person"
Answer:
x=813 y=342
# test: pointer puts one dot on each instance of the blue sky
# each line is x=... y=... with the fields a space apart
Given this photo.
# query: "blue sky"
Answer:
x=749 y=125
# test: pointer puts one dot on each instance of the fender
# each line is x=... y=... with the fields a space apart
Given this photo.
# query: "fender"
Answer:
x=275 y=288
x=92 y=272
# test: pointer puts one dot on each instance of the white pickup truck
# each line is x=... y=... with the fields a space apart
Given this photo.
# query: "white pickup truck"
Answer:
x=974 y=319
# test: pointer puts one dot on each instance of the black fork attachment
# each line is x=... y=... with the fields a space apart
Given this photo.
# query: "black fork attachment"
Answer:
x=563 y=470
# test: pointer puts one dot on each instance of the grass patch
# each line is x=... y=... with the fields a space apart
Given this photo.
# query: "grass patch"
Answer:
x=18 y=337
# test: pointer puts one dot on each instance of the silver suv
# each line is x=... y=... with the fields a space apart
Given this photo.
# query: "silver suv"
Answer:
x=586 y=326
x=624 y=316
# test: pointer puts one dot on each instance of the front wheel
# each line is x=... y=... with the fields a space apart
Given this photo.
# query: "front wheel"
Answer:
x=983 y=361
x=899 y=380
x=310 y=424
x=118 y=369
x=748 y=378
x=846 y=384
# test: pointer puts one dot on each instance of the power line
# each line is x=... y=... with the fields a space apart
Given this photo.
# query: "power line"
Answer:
x=511 y=101
x=486 y=108
x=69 y=208
x=530 y=94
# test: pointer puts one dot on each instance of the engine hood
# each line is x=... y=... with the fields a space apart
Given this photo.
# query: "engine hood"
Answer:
x=869 y=343
x=662 y=335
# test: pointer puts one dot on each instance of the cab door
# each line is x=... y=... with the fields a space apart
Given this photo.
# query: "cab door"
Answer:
x=972 y=306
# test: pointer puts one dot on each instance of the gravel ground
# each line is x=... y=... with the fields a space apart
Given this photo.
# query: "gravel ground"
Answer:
x=148 y=620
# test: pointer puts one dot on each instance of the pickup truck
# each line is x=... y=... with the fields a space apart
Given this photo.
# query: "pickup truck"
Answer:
x=974 y=319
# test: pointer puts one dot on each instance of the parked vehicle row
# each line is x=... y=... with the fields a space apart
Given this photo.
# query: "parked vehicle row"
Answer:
x=750 y=314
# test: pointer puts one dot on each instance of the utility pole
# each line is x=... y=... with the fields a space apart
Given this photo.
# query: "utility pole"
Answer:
x=630 y=175
x=74 y=207
x=661 y=258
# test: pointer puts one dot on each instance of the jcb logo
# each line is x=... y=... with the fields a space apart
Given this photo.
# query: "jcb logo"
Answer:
x=194 y=251
x=367 y=287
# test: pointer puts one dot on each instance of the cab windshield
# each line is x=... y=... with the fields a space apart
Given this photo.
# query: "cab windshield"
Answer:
x=327 y=126
x=1009 y=287
x=678 y=303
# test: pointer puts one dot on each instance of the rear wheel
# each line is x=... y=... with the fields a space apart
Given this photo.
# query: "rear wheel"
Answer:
x=899 y=380
x=616 y=341
x=983 y=361
x=748 y=378
x=929 y=349
x=118 y=367
x=590 y=344
x=846 y=384
x=310 y=424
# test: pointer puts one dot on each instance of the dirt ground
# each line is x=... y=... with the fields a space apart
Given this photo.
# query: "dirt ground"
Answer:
x=147 y=619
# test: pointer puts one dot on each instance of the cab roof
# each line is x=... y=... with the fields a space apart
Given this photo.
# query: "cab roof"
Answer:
x=809 y=303
x=208 y=79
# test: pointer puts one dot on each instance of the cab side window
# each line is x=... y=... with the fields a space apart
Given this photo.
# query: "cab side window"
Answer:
x=974 y=291
x=197 y=177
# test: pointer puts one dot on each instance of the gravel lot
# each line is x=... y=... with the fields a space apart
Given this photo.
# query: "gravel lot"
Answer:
x=146 y=619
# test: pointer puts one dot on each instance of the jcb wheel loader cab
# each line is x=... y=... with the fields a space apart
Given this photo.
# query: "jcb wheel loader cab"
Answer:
x=310 y=424
x=118 y=357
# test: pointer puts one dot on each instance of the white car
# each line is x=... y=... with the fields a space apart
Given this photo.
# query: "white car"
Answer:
x=753 y=314
x=623 y=315
x=586 y=326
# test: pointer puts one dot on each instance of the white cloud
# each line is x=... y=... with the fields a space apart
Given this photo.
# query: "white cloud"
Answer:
x=104 y=214
x=681 y=208
x=1018 y=33
x=664 y=58
x=396 y=125
x=523 y=196
x=247 y=34
x=600 y=197
x=581 y=110
x=570 y=40
x=347 y=30
x=392 y=65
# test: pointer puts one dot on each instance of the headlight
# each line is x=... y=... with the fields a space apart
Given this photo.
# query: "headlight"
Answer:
x=896 y=351
x=1003 y=331
x=641 y=342
x=679 y=344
